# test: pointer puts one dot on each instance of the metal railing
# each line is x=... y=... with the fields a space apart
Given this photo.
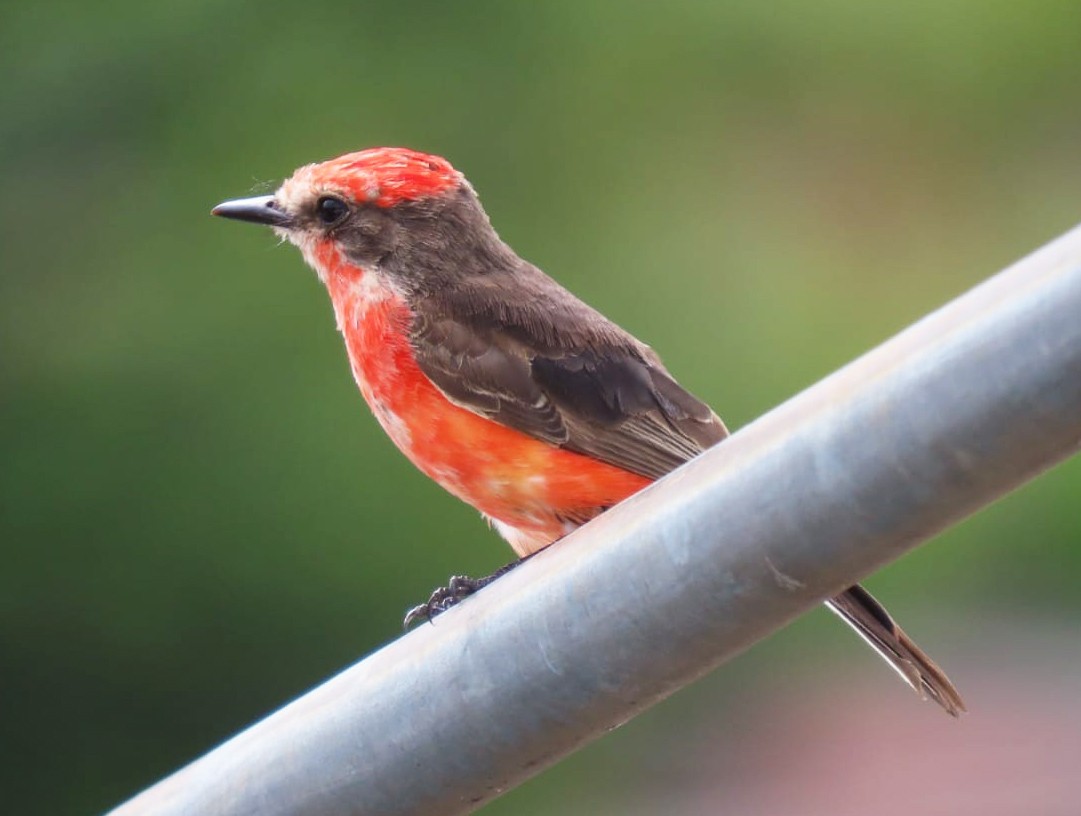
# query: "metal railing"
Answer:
x=961 y=407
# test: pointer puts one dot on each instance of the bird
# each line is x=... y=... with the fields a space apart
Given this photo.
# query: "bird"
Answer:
x=493 y=379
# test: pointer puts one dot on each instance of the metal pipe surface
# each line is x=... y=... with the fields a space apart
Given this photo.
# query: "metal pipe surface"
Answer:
x=958 y=409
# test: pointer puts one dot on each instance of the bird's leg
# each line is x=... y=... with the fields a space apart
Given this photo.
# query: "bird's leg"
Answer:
x=458 y=588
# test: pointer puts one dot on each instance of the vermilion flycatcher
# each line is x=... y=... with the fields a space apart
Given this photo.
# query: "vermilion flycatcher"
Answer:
x=492 y=378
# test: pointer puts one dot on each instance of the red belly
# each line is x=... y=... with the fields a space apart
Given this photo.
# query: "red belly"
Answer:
x=539 y=490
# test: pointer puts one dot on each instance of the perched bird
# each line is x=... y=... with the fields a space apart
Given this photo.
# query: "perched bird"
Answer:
x=493 y=379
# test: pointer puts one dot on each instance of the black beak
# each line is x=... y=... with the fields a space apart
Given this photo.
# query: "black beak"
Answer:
x=258 y=210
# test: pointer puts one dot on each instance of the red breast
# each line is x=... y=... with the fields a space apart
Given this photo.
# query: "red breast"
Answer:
x=539 y=490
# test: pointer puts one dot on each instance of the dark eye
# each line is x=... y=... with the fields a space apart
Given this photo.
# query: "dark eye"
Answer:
x=330 y=210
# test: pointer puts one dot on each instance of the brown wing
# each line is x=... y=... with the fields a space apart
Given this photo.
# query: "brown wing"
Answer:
x=553 y=368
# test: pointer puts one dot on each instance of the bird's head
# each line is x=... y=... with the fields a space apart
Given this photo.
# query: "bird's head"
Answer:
x=389 y=210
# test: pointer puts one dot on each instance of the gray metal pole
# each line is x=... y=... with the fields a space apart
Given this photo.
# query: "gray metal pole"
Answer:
x=958 y=409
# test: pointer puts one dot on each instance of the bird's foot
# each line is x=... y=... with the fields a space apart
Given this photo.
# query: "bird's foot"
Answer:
x=458 y=588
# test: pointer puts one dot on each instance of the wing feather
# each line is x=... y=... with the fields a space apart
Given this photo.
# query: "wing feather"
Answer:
x=553 y=368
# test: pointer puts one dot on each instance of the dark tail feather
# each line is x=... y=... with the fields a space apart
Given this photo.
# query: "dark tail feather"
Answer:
x=873 y=623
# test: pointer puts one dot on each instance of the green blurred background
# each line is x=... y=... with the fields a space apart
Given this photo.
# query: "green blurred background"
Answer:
x=199 y=518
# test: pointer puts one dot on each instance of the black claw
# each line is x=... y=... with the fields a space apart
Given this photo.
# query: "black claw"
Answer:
x=415 y=614
x=458 y=588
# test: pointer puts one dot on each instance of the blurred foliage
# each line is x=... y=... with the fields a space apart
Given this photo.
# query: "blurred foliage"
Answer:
x=199 y=518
